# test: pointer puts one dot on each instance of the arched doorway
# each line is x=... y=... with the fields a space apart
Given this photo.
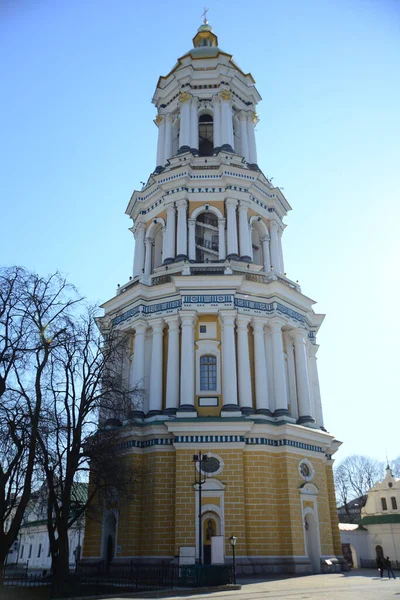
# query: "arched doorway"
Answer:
x=109 y=537
x=211 y=527
x=312 y=541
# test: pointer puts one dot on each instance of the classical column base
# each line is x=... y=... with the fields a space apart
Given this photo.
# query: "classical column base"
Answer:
x=253 y=166
x=230 y=410
x=168 y=261
x=232 y=257
x=112 y=423
x=181 y=257
x=153 y=413
x=194 y=151
x=305 y=420
x=227 y=148
x=281 y=412
x=247 y=410
x=186 y=408
x=264 y=411
x=184 y=149
x=136 y=414
x=170 y=411
x=246 y=259
x=159 y=169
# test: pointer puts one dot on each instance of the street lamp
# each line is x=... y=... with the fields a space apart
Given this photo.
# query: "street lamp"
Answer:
x=233 y=540
x=199 y=459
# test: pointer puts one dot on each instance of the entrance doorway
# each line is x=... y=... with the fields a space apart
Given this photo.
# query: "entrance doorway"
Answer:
x=312 y=542
x=109 y=538
x=210 y=529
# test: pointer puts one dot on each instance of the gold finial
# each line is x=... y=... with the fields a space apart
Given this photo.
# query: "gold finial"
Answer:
x=204 y=16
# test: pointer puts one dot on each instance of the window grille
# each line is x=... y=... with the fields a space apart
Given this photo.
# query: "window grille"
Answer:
x=394 y=503
x=208 y=373
x=384 y=503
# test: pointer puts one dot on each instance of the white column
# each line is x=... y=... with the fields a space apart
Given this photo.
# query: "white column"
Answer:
x=252 y=119
x=184 y=130
x=226 y=118
x=275 y=258
x=156 y=367
x=164 y=242
x=244 y=373
x=231 y=204
x=294 y=409
x=229 y=379
x=302 y=376
x=280 y=390
x=147 y=262
x=187 y=358
x=312 y=351
x=244 y=145
x=281 y=265
x=138 y=367
x=192 y=239
x=270 y=367
x=168 y=138
x=160 y=121
x=170 y=235
x=217 y=121
x=194 y=124
x=221 y=239
x=139 y=232
x=266 y=254
x=181 y=239
x=172 y=393
x=245 y=252
x=260 y=367
x=250 y=234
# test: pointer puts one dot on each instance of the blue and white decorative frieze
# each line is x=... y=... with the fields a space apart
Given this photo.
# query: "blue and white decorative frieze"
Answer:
x=290 y=313
x=207 y=439
x=253 y=305
x=145 y=443
x=218 y=300
x=146 y=310
x=292 y=443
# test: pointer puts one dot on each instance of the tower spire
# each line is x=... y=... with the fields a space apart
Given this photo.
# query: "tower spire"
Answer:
x=204 y=16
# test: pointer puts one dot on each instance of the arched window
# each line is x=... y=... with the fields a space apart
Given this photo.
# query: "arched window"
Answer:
x=207 y=241
x=208 y=373
x=206 y=135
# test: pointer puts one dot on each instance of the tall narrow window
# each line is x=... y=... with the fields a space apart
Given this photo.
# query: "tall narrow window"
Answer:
x=206 y=135
x=30 y=551
x=22 y=551
x=208 y=373
x=207 y=241
x=39 y=550
x=394 y=503
x=384 y=503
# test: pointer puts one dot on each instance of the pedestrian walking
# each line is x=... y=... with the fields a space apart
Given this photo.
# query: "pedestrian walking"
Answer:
x=388 y=565
x=380 y=563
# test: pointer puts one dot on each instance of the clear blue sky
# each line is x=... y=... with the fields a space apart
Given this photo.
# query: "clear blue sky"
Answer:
x=77 y=137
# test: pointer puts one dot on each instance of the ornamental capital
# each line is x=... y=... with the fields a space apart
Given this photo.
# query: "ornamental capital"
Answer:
x=225 y=95
x=158 y=119
x=299 y=335
x=254 y=117
x=275 y=324
x=184 y=97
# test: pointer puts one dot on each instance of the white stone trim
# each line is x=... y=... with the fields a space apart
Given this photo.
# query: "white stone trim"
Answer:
x=204 y=348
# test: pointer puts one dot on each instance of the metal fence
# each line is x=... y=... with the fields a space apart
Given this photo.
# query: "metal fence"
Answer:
x=92 y=579
x=370 y=563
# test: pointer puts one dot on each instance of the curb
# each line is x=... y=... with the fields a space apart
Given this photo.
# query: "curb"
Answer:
x=162 y=593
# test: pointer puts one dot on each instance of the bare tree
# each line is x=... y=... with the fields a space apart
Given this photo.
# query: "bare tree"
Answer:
x=395 y=466
x=355 y=475
x=34 y=313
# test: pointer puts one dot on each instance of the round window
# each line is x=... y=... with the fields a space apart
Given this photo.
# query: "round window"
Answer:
x=211 y=465
x=306 y=470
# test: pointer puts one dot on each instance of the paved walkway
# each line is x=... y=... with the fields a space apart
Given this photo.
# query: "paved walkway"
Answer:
x=356 y=585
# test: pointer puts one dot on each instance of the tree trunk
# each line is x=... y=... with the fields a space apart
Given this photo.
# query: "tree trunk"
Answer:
x=60 y=559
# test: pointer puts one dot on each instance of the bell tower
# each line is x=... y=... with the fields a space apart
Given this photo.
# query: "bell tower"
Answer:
x=222 y=343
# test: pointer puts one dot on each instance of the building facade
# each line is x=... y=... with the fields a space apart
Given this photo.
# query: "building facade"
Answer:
x=222 y=346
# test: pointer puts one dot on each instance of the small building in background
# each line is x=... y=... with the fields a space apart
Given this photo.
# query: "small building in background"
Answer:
x=378 y=531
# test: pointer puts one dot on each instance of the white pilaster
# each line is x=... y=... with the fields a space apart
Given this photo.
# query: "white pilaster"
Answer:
x=231 y=204
x=194 y=124
x=168 y=138
x=221 y=239
x=138 y=367
x=266 y=254
x=169 y=254
x=294 y=409
x=275 y=257
x=244 y=145
x=139 y=232
x=270 y=367
x=184 y=130
x=281 y=265
x=156 y=367
x=302 y=376
x=244 y=373
x=245 y=252
x=226 y=118
x=181 y=240
x=251 y=138
x=312 y=352
x=192 y=238
x=229 y=379
x=217 y=121
x=172 y=393
x=280 y=389
x=260 y=367
x=160 y=121
x=147 y=262
x=187 y=358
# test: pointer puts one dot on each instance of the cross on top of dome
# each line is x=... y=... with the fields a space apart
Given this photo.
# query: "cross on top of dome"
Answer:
x=205 y=35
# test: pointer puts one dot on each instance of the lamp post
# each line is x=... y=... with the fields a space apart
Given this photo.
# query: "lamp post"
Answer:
x=232 y=540
x=199 y=459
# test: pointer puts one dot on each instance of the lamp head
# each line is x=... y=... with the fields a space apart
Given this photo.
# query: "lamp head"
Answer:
x=232 y=540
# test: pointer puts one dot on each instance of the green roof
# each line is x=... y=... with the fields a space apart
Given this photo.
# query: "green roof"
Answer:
x=380 y=519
